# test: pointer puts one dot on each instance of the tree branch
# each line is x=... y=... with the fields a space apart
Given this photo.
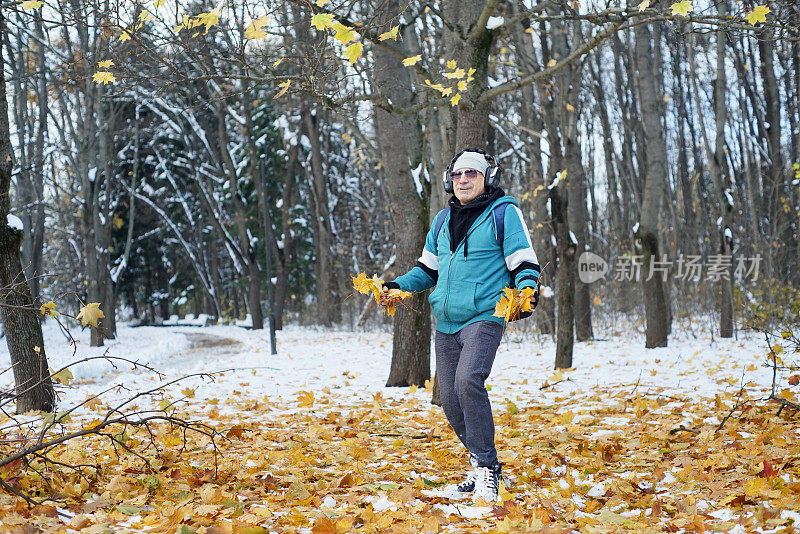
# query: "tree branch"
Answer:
x=479 y=29
x=551 y=71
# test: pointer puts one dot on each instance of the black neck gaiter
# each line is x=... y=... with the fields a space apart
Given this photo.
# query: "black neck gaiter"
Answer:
x=462 y=217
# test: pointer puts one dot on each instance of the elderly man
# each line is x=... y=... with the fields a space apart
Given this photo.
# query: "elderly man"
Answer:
x=477 y=245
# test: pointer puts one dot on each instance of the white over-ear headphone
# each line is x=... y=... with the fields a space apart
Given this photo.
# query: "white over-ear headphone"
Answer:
x=491 y=176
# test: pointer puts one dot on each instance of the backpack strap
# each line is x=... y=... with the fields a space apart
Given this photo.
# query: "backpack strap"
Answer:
x=499 y=216
x=439 y=222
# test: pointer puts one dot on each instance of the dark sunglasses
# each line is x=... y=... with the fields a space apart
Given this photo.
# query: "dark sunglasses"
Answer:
x=471 y=174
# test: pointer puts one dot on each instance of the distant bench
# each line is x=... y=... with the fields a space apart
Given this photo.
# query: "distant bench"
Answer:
x=202 y=319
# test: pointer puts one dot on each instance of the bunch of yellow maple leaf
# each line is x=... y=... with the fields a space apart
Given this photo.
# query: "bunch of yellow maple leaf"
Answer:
x=513 y=302
x=374 y=286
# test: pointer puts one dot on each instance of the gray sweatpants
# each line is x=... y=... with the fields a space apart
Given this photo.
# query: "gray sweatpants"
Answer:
x=463 y=362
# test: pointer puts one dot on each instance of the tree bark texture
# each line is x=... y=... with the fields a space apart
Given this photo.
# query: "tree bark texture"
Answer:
x=398 y=136
x=247 y=249
x=654 y=166
x=566 y=249
x=541 y=228
x=720 y=178
x=23 y=331
x=328 y=304
x=471 y=50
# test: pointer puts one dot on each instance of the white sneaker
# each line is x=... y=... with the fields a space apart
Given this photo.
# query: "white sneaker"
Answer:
x=487 y=483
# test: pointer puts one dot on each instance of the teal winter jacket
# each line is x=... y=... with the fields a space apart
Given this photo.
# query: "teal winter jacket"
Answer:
x=468 y=285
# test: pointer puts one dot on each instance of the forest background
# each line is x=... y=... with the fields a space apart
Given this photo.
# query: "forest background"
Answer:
x=186 y=162
x=178 y=157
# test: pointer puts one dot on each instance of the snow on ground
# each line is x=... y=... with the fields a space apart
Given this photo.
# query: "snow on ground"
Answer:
x=232 y=373
x=357 y=364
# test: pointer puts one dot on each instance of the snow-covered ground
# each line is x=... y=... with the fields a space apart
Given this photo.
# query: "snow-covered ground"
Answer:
x=357 y=363
x=619 y=401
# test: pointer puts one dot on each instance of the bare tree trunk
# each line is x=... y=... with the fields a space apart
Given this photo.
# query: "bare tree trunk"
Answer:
x=328 y=303
x=720 y=178
x=284 y=254
x=409 y=209
x=472 y=51
x=107 y=155
x=30 y=132
x=794 y=120
x=256 y=175
x=624 y=83
x=246 y=247
x=579 y=219
x=559 y=102
x=88 y=115
x=688 y=237
x=781 y=226
x=542 y=230
x=655 y=170
x=615 y=223
x=135 y=305
x=566 y=248
x=569 y=84
x=34 y=389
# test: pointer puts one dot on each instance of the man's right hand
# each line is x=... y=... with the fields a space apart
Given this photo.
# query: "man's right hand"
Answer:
x=384 y=295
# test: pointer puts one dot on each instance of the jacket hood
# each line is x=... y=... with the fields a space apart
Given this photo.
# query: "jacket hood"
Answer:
x=508 y=199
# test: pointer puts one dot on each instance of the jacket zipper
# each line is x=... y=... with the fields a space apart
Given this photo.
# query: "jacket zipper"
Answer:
x=454 y=254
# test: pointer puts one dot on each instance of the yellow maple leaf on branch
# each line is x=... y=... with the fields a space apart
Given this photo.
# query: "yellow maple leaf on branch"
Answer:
x=104 y=77
x=353 y=52
x=208 y=19
x=284 y=87
x=759 y=14
x=439 y=87
x=256 y=28
x=90 y=314
x=64 y=376
x=322 y=21
x=31 y=4
x=457 y=73
x=344 y=34
x=391 y=34
x=682 y=8
x=49 y=309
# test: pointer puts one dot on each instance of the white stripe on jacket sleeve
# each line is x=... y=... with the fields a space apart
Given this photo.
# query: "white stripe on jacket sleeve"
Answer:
x=514 y=259
x=429 y=259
